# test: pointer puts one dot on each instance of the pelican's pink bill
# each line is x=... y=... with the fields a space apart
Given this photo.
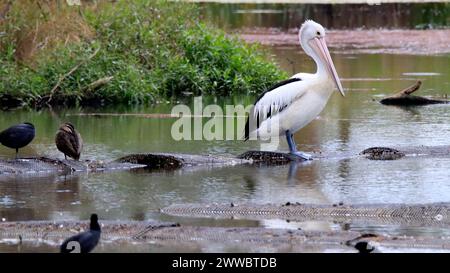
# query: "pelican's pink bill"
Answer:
x=321 y=46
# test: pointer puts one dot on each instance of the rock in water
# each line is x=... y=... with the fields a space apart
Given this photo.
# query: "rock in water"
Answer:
x=382 y=153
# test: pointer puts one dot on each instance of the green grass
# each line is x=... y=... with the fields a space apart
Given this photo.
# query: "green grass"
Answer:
x=154 y=50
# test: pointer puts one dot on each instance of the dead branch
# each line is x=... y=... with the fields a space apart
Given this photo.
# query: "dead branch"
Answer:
x=409 y=90
x=97 y=84
x=404 y=97
x=60 y=80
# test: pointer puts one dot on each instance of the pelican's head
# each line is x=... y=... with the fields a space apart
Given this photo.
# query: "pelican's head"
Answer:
x=312 y=40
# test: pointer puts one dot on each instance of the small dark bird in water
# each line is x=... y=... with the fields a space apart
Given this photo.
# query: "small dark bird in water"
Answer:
x=83 y=242
x=18 y=136
x=365 y=247
x=366 y=243
x=69 y=141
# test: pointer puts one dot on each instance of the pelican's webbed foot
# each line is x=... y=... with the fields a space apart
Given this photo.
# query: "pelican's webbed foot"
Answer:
x=299 y=156
x=293 y=153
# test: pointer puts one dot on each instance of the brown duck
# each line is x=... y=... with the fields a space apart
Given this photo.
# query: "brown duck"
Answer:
x=68 y=141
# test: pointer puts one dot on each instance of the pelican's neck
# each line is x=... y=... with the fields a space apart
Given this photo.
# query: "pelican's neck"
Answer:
x=321 y=68
x=321 y=74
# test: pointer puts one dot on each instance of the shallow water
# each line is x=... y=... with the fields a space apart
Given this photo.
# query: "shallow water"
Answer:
x=348 y=124
x=335 y=16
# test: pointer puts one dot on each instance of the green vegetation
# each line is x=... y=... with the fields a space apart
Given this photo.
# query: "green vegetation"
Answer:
x=123 y=52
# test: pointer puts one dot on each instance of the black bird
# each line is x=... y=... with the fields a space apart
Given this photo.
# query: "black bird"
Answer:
x=86 y=240
x=365 y=247
x=69 y=141
x=18 y=136
x=365 y=243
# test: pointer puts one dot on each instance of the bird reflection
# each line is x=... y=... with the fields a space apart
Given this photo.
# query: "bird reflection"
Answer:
x=293 y=169
x=409 y=109
x=296 y=182
x=303 y=172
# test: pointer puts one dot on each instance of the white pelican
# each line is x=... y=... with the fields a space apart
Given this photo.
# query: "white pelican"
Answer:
x=291 y=104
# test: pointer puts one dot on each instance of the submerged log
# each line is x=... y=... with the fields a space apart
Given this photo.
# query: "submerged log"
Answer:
x=404 y=98
x=42 y=165
x=166 y=161
x=266 y=157
x=173 y=161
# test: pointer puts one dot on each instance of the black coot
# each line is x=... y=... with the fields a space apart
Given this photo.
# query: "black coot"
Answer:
x=83 y=242
x=18 y=136
x=364 y=247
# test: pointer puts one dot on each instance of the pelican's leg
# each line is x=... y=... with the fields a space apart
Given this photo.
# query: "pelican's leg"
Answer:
x=291 y=143
x=293 y=149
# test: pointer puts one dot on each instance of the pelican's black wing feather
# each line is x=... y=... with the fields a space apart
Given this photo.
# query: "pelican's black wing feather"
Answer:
x=269 y=114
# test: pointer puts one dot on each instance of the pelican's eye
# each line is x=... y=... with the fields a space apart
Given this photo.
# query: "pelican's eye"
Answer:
x=318 y=33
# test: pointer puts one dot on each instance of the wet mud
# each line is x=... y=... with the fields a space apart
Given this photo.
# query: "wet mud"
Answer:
x=416 y=42
x=168 y=161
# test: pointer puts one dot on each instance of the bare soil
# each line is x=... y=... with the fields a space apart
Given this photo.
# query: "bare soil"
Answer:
x=416 y=42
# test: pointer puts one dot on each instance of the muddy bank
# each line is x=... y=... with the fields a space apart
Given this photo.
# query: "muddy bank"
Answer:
x=41 y=165
x=417 y=42
x=55 y=231
x=135 y=233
